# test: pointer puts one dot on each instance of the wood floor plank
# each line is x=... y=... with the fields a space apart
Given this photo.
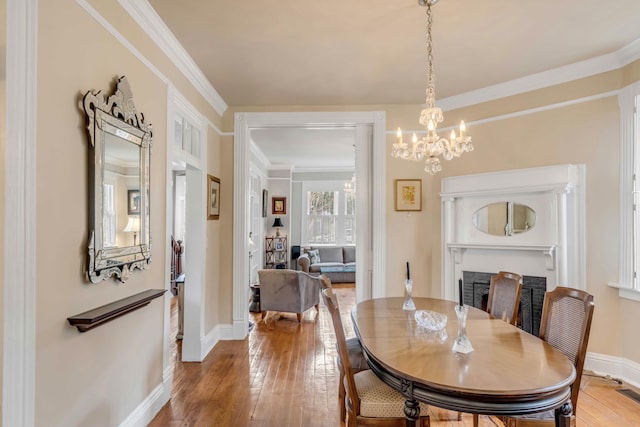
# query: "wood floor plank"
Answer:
x=284 y=374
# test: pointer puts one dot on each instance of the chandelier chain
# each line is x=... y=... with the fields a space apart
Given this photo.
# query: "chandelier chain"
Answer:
x=431 y=95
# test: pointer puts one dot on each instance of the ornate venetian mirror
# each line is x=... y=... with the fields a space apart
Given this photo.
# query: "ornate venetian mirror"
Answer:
x=504 y=219
x=120 y=150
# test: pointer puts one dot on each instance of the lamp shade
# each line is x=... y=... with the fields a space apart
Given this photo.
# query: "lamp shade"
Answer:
x=133 y=224
x=277 y=223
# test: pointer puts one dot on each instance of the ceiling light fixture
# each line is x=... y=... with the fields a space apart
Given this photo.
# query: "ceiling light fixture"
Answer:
x=350 y=186
x=429 y=147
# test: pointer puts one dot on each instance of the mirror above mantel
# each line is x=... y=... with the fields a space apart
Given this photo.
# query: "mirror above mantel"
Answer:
x=119 y=159
x=504 y=218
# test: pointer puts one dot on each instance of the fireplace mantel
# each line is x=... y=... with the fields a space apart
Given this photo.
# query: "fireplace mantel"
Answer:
x=548 y=251
x=552 y=248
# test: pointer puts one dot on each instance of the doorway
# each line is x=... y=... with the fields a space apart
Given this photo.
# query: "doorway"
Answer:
x=370 y=175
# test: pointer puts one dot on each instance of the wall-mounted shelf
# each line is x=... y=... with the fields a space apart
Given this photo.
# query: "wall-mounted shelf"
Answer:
x=98 y=316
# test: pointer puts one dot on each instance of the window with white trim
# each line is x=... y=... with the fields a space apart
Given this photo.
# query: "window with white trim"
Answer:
x=329 y=214
x=629 y=285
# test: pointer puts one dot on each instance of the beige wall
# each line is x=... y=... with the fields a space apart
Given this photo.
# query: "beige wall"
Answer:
x=212 y=264
x=586 y=132
x=99 y=377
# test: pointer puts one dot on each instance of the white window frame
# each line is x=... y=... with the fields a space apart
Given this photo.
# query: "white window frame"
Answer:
x=324 y=186
x=628 y=283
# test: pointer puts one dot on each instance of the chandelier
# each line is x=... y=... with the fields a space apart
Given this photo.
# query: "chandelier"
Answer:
x=350 y=186
x=429 y=147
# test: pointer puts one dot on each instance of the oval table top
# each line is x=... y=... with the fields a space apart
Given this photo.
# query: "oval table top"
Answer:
x=509 y=372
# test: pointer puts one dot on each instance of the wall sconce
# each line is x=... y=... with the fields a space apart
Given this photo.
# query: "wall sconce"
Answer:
x=133 y=226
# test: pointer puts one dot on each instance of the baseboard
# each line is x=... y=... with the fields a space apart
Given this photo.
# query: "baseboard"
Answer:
x=146 y=410
x=624 y=369
x=219 y=332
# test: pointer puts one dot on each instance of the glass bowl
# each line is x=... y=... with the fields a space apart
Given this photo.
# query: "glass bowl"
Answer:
x=431 y=320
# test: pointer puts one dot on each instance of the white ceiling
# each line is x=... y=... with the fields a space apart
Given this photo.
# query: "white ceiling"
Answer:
x=346 y=52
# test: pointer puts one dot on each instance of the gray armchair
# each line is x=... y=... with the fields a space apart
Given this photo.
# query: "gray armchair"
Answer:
x=288 y=291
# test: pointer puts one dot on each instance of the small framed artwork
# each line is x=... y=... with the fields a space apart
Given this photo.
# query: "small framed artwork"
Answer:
x=408 y=194
x=279 y=205
x=279 y=246
x=265 y=202
x=213 y=197
x=133 y=202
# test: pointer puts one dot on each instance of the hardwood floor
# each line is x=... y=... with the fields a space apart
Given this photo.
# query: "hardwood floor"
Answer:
x=284 y=374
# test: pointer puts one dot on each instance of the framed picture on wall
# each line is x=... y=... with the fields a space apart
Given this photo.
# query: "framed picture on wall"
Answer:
x=279 y=205
x=133 y=202
x=213 y=197
x=408 y=195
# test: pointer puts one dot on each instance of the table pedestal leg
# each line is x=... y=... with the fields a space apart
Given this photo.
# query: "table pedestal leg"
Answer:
x=564 y=415
x=411 y=412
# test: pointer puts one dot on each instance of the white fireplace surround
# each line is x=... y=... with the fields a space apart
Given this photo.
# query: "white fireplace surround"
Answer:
x=553 y=248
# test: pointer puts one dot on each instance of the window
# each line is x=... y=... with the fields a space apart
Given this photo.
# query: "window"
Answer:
x=109 y=215
x=187 y=136
x=322 y=209
x=329 y=214
x=629 y=100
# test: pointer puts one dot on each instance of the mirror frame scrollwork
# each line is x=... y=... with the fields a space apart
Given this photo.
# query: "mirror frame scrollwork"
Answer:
x=116 y=115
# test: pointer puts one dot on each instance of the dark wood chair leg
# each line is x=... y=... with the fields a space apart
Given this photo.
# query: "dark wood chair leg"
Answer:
x=299 y=315
x=341 y=393
x=264 y=313
x=476 y=420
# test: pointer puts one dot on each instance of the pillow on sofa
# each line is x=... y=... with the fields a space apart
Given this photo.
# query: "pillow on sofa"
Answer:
x=314 y=256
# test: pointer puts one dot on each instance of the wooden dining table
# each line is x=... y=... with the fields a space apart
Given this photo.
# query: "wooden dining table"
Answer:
x=509 y=371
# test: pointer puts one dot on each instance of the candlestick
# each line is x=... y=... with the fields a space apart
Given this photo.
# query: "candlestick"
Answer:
x=460 y=296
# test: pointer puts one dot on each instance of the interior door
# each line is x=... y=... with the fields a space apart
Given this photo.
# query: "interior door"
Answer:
x=255 y=237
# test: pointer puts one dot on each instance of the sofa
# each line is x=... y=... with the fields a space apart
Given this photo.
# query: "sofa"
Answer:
x=338 y=263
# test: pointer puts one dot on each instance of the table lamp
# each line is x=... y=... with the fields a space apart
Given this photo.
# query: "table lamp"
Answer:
x=277 y=224
x=133 y=226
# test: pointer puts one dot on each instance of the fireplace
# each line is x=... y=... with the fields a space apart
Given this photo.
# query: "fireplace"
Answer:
x=475 y=288
x=548 y=253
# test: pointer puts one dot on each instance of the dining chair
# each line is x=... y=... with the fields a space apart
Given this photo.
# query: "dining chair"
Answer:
x=503 y=303
x=356 y=357
x=370 y=402
x=565 y=324
x=504 y=296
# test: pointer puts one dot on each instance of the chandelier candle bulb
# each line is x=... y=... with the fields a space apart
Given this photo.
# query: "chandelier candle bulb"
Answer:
x=462 y=128
x=399 y=136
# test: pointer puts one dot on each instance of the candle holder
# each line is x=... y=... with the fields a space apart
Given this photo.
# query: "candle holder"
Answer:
x=408 y=302
x=462 y=343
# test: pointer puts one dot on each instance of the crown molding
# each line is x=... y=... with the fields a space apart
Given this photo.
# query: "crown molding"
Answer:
x=151 y=23
x=578 y=70
x=260 y=156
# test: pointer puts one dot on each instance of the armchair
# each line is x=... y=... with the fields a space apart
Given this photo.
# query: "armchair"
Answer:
x=288 y=291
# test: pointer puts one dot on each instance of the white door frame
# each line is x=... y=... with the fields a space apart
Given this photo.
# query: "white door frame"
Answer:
x=195 y=232
x=244 y=123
